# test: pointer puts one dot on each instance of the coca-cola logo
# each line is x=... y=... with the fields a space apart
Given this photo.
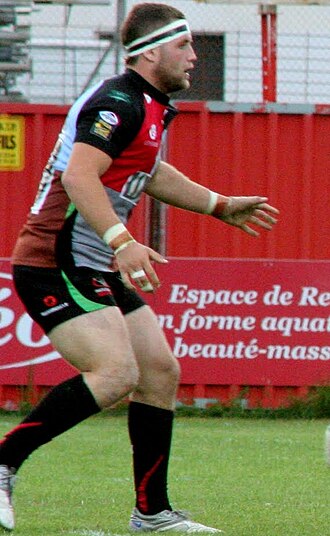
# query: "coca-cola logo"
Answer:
x=22 y=343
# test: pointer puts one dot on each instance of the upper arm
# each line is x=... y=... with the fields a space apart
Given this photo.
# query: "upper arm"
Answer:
x=86 y=160
x=109 y=125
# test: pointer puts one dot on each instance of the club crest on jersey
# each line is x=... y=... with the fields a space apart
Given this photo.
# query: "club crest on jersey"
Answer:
x=104 y=125
x=153 y=132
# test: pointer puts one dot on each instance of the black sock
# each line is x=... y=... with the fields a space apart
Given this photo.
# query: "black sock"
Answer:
x=150 y=430
x=62 y=408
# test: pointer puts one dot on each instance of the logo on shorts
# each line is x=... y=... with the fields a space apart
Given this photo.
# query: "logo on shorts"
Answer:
x=50 y=301
x=53 y=306
x=101 y=287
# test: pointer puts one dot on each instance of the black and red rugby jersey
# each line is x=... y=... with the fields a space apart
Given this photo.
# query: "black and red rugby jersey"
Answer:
x=124 y=117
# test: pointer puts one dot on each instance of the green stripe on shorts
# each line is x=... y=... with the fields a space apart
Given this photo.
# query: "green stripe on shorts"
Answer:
x=86 y=304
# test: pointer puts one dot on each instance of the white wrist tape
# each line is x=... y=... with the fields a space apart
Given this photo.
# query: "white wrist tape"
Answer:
x=112 y=233
x=213 y=199
x=123 y=246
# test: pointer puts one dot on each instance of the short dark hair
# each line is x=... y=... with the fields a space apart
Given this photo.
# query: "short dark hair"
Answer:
x=145 y=18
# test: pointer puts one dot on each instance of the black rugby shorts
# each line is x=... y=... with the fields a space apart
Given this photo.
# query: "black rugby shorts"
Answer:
x=52 y=296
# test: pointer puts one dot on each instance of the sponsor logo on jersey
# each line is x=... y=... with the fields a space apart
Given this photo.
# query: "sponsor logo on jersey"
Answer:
x=105 y=125
x=101 y=129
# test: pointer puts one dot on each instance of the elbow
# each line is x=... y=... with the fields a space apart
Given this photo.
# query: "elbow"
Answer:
x=68 y=180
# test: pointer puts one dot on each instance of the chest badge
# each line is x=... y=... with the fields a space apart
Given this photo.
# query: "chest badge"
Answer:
x=153 y=132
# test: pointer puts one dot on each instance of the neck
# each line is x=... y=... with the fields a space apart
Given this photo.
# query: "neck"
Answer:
x=148 y=76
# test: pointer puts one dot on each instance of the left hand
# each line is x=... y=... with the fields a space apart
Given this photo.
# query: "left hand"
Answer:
x=135 y=263
x=243 y=211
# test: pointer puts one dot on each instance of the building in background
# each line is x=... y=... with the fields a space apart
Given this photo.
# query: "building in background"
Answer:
x=63 y=46
x=15 y=58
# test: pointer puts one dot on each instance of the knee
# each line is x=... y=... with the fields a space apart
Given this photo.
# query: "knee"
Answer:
x=158 y=383
x=172 y=371
x=164 y=369
x=128 y=377
x=110 y=385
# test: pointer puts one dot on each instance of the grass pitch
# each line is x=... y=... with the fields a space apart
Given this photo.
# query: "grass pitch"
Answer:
x=247 y=477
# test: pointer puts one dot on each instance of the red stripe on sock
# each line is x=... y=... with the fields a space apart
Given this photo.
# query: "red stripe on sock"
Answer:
x=20 y=427
x=142 y=498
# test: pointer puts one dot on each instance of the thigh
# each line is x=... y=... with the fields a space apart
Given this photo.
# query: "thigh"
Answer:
x=81 y=318
x=98 y=341
x=159 y=370
x=98 y=345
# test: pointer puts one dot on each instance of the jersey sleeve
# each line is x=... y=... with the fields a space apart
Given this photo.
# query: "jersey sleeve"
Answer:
x=110 y=125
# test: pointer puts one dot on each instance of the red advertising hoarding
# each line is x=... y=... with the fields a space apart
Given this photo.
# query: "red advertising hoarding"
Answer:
x=247 y=322
x=236 y=322
x=229 y=322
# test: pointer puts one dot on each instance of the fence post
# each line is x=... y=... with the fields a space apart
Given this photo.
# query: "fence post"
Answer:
x=268 y=15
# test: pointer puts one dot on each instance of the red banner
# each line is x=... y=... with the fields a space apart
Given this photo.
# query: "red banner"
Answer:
x=240 y=322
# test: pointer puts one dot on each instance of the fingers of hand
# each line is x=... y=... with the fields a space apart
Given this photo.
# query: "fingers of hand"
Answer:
x=244 y=203
x=154 y=256
x=249 y=230
x=260 y=223
x=147 y=282
x=259 y=218
x=261 y=215
x=125 y=279
x=140 y=279
x=136 y=269
x=269 y=208
x=138 y=274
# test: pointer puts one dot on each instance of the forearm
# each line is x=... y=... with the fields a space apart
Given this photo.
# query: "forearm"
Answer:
x=172 y=187
x=82 y=183
x=91 y=201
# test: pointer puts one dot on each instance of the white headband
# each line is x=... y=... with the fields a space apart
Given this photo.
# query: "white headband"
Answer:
x=158 y=37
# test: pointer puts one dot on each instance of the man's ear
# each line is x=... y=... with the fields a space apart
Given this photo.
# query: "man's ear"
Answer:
x=151 y=55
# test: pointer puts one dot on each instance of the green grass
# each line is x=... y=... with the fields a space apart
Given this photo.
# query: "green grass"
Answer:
x=249 y=477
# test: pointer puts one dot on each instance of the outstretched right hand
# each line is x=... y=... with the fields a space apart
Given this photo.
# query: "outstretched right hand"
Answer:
x=241 y=212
